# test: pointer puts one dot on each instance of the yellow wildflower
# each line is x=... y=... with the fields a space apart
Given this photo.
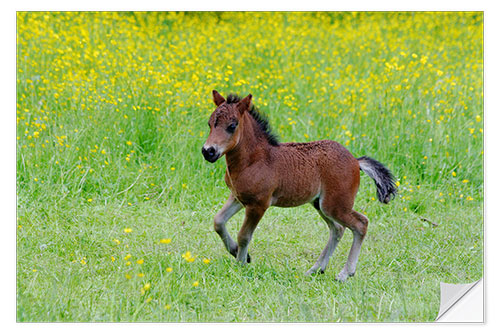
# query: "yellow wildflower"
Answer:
x=188 y=257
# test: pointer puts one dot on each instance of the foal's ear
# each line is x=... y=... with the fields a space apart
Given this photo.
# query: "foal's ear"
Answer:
x=244 y=104
x=218 y=99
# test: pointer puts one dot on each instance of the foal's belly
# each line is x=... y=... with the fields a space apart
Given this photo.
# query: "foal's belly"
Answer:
x=292 y=196
x=291 y=202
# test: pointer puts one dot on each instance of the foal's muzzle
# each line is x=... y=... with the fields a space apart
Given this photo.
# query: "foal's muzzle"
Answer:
x=210 y=154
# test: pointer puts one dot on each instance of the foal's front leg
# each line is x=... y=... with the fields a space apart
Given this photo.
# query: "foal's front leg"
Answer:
x=253 y=214
x=231 y=207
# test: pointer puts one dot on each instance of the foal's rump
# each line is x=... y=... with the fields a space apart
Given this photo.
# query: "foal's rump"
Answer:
x=339 y=170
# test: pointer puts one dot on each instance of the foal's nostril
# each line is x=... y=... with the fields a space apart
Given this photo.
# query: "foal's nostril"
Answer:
x=209 y=153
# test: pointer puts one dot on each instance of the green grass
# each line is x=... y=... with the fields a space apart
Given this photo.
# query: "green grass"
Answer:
x=402 y=262
x=112 y=112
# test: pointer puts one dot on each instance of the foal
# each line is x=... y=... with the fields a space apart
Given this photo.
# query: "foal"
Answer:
x=261 y=172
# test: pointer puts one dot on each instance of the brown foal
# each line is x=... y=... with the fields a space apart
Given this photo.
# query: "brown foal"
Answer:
x=261 y=172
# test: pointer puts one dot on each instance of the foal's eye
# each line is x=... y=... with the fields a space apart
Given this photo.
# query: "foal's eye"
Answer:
x=231 y=128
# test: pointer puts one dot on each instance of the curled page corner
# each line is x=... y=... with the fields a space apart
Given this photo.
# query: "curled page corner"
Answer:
x=461 y=303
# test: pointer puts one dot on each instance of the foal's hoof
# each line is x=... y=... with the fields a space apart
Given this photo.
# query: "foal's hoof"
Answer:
x=249 y=260
x=234 y=253
x=244 y=262
x=314 y=271
x=343 y=276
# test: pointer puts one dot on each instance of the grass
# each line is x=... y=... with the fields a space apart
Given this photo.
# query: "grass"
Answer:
x=111 y=117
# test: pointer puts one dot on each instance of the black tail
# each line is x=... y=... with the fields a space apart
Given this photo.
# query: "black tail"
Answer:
x=386 y=188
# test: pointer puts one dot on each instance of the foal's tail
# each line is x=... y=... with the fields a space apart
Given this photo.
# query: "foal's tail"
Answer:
x=386 y=188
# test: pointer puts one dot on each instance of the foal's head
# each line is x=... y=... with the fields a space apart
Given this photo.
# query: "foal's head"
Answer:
x=224 y=126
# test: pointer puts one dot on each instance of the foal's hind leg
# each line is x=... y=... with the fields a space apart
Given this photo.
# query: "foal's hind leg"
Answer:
x=231 y=207
x=336 y=232
x=358 y=223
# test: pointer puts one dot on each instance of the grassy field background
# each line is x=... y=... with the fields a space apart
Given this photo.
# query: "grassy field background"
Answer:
x=116 y=203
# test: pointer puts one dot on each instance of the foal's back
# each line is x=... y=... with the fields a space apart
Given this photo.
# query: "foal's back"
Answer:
x=306 y=169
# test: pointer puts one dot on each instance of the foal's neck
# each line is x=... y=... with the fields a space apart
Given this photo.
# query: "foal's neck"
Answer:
x=250 y=148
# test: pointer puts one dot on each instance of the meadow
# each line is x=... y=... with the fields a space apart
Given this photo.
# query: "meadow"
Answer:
x=115 y=202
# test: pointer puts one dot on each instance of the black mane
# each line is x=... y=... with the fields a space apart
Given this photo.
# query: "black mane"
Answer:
x=260 y=118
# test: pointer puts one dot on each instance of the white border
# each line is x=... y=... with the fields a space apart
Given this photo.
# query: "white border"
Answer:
x=255 y=5
x=8 y=174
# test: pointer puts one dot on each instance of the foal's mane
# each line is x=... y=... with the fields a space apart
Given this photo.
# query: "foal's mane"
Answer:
x=261 y=119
